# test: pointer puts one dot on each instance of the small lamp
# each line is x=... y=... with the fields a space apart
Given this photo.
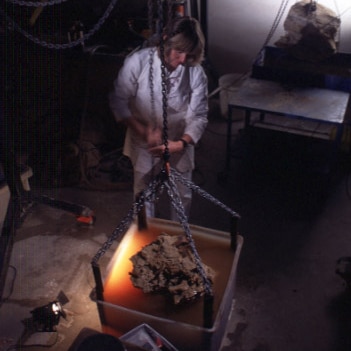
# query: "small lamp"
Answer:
x=45 y=318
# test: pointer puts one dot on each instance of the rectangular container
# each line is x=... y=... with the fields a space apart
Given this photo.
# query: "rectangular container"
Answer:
x=124 y=307
x=145 y=337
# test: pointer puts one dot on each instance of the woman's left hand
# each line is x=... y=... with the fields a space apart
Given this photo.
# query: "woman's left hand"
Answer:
x=173 y=147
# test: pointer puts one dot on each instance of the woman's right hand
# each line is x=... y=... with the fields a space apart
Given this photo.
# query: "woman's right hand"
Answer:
x=153 y=136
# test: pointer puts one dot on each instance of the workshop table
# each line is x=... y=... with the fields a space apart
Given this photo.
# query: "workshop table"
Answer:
x=305 y=103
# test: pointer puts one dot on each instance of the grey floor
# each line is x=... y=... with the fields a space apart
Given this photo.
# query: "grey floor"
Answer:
x=295 y=220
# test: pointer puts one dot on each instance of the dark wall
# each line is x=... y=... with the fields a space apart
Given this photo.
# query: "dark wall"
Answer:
x=56 y=96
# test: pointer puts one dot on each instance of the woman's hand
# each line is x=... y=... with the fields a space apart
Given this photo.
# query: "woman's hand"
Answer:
x=173 y=147
x=153 y=136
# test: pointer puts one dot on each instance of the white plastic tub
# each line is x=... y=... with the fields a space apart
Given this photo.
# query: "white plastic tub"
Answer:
x=124 y=307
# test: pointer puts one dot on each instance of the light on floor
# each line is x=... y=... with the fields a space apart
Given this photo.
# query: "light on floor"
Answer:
x=46 y=317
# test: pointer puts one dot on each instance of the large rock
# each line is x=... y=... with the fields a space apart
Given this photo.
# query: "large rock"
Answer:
x=311 y=31
x=167 y=265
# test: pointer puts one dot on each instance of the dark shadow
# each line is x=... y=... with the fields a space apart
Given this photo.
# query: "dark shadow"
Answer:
x=340 y=311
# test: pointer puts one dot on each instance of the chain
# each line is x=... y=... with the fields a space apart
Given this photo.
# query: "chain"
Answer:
x=155 y=187
x=176 y=202
x=278 y=17
x=36 y=3
x=166 y=154
x=68 y=45
x=116 y=235
x=165 y=179
x=202 y=193
x=151 y=82
x=276 y=21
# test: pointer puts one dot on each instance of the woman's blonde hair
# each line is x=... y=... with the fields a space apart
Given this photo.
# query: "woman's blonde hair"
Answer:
x=185 y=34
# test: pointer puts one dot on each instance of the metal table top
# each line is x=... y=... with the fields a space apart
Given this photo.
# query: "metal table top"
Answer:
x=317 y=104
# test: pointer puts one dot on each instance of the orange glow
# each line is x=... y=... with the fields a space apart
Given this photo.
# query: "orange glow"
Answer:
x=118 y=282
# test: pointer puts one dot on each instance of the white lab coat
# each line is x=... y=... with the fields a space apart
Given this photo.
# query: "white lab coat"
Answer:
x=186 y=113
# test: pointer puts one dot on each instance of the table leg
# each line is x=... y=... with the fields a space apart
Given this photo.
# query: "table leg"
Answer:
x=229 y=139
x=223 y=176
x=336 y=146
x=247 y=118
x=338 y=136
x=262 y=116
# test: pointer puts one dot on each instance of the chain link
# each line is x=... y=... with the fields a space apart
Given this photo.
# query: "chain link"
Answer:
x=177 y=204
x=151 y=82
x=72 y=44
x=203 y=193
x=155 y=187
x=282 y=8
x=36 y=3
x=164 y=83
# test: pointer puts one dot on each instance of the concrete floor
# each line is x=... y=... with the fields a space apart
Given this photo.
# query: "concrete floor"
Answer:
x=294 y=219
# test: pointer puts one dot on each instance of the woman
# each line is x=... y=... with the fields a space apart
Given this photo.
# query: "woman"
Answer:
x=137 y=101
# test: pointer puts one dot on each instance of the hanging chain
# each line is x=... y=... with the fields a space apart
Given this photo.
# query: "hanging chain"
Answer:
x=36 y=3
x=156 y=186
x=166 y=178
x=203 y=193
x=166 y=154
x=151 y=82
x=72 y=44
x=276 y=21
x=176 y=202
x=274 y=27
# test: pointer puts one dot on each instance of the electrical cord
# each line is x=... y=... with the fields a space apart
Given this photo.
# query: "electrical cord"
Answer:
x=12 y=286
x=22 y=346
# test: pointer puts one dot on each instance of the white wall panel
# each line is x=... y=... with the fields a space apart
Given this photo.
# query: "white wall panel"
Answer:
x=237 y=29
